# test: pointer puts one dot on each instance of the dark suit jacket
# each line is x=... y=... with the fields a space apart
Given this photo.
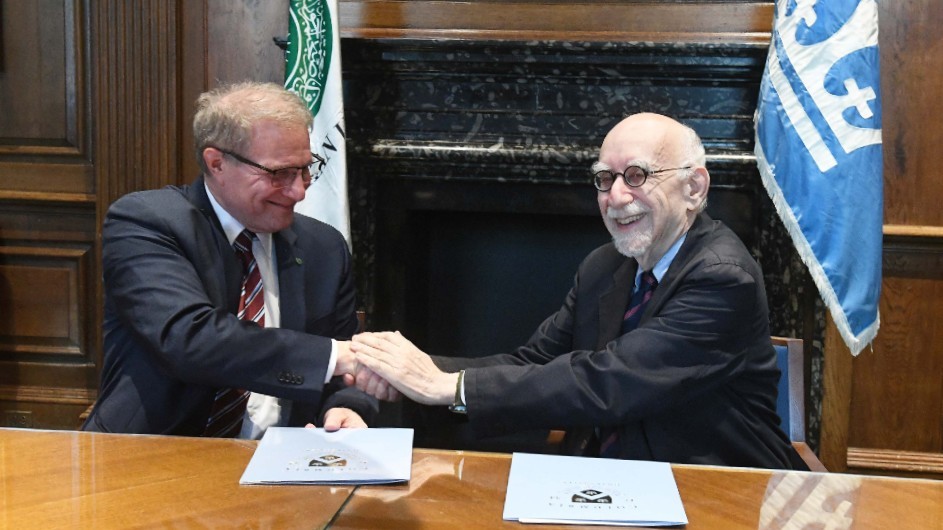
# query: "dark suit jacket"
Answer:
x=172 y=284
x=694 y=383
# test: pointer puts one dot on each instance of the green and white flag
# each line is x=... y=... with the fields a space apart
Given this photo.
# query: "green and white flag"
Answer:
x=313 y=71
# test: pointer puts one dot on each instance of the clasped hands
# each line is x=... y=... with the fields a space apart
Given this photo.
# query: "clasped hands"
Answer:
x=386 y=365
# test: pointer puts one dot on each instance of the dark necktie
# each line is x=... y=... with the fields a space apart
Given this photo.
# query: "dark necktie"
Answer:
x=609 y=436
x=229 y=407
x=642 y=295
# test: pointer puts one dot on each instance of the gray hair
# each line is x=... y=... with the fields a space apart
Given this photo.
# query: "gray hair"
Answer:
x=225 y=116
x=695 y=157
x=694 y=150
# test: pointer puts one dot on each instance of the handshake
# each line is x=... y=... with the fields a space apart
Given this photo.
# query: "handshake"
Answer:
x=386 y=366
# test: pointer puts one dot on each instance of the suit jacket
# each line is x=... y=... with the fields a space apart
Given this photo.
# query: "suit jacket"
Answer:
x=695 y=382
x=172 y=283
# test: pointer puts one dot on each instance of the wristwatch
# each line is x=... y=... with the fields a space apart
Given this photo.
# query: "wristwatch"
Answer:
x=458 y=404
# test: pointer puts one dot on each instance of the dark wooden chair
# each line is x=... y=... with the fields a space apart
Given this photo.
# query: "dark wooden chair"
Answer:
x=791 y=401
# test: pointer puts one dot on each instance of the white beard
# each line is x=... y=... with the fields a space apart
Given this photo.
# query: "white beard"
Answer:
x=632 y=245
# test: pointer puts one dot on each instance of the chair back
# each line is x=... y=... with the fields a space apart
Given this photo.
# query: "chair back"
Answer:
x=790 y=404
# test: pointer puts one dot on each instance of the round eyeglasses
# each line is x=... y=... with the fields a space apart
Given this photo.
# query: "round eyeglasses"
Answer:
x=283 y=177
x=634 y=176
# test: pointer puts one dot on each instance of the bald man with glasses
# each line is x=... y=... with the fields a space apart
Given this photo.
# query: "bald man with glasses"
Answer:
x=660 y=351
x=225 y=311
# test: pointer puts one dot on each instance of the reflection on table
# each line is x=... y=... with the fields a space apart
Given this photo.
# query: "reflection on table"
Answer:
x=466 y=490
x=63 y=479
x=58 y=479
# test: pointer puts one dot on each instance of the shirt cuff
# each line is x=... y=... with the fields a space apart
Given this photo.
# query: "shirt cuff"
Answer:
x=332 y=363
x=463 y=392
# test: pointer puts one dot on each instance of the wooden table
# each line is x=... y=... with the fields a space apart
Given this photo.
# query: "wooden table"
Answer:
x=61 y=479
x=65 y=479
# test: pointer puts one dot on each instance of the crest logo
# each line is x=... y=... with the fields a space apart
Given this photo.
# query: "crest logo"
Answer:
x=310 y=45
x=591 y=496
x=595 y=497
x=328 y=461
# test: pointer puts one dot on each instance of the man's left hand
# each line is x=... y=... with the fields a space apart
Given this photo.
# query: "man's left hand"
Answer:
x=406 y=367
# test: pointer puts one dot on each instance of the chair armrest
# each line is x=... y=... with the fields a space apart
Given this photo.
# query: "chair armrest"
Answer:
x=805 y=452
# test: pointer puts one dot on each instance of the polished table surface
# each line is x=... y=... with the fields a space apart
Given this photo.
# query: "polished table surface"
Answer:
x=63 y=479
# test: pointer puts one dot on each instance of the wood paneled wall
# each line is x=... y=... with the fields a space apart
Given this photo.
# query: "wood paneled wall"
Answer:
x=883 y=410
x=96 y=99
x=48 y=290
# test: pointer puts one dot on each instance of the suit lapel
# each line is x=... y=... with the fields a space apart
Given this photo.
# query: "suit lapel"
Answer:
x=702 y=223
x=232 y=269
x=291 y=280
x=612 y=303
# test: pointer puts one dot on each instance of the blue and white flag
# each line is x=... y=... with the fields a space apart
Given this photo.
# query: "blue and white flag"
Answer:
x=818 y=148
x=313 y=72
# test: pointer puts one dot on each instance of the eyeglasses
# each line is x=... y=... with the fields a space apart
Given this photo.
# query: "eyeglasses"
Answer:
x=634 y=176
x=283 y=177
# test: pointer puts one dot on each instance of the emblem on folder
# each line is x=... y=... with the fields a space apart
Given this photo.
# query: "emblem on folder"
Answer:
x=595 y=497
x=592 y=496
x=328 y=461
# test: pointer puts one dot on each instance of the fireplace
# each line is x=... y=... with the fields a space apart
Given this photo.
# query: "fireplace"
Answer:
x=471 y=201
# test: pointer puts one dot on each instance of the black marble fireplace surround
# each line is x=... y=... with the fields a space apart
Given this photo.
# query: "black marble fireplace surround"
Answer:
x=471 y=202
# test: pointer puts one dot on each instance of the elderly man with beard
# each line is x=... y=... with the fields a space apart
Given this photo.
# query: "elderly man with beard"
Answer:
x=660 y=351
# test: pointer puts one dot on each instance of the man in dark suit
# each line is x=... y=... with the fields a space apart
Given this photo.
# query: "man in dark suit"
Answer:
x=671 y=365
x=174 y=345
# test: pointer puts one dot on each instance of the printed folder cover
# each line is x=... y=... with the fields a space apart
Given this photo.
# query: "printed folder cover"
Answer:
x=295 y=455
x=577 y=490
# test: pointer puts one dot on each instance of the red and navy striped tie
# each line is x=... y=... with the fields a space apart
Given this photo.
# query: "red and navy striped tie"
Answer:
x=229 y=407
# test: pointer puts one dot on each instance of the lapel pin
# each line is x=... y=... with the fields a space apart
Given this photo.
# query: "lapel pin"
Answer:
x=299 y=261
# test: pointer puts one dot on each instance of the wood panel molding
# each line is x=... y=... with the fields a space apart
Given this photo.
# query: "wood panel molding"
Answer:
x=567 y=21
x=913 y=231
x=888 y=460
x=42 y=196
x=47 y=394
x=47 y=287
x=45 y=87
x=45 y=128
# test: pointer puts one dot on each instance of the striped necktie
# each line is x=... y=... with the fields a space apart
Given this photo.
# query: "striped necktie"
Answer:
x=609 y=436
x=229 y=407
x=251 y=298
x=640 y=298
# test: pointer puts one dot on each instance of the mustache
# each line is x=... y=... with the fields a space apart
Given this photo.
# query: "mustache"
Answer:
x=626 y=211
